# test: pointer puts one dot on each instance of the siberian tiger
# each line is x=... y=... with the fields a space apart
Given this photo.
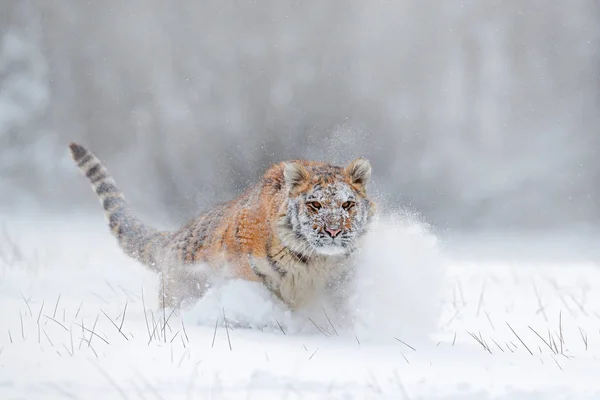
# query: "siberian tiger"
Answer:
x=294 y=230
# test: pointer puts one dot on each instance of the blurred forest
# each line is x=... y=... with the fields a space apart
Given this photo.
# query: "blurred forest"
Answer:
x=480 y=115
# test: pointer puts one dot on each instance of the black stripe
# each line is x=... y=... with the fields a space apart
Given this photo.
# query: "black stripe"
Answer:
x=105 y=187
x=112 y=203
x=78 y=151
x=278 y=253
x=237 y=234
x=99 y=178
x=88 y=157
x=254 y=268
x=93 y=171
x=275 y=267
x=300 y=257
x=259 y=274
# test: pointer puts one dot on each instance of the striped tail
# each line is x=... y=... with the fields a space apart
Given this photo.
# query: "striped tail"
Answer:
x=136 y=239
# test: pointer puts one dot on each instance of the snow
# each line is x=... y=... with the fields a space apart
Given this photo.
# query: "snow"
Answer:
x=419 y=302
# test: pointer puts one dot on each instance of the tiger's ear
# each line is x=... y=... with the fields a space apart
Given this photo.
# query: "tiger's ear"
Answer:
x=359 y=171
x=295 y=174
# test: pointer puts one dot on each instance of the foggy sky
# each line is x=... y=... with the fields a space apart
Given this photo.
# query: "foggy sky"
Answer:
x=477 y=114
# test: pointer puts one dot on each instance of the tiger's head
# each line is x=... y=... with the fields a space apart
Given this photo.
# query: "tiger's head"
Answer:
x=327 y=208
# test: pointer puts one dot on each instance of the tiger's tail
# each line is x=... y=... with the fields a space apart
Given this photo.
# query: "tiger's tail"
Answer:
x=137 y=240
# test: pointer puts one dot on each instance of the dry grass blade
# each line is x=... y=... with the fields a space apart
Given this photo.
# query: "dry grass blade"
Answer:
x=61 y=325
x=319 y=328
x=518 y=337
x=153 y=327
x=280 y=327
x=562 y=339
x=166 y=323
x=405 y=359
x=215 y=333
x=94 y=350
x=579 y=305
x=78 y=309
x=71 y=337
x=557 y=364
x=447 y=323
x=481 y=297
x=184 y=331
x=328 y=320
x=10 y=336
x=508 y=347
x=154 y=330
x=484 y=342
x=48 y=338
x=26 y=303
x=93 y=330
x=406 y=344
x=111 y=287
x=584 y=338
x=115 y=325
x=56 y=306
x=227 y=329
x=40 y=313
x=22 y=329
x=454 y=340
x=543 y=340
x=478 y=340
x=313 y=354
x=496 y=343
x=68 y=351
x=123 y=319
x=82 y=335
x=489 y=320
x=93 y=333
x=146 y=316
x=556 y=350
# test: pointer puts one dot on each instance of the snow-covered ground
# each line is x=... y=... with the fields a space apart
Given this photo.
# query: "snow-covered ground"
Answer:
x=79 y=320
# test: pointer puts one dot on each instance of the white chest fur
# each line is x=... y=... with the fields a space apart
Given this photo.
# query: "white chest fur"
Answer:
x=306 y=283
x=300 y=283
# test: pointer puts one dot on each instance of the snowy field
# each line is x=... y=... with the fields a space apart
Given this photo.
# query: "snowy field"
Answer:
x=437 y=320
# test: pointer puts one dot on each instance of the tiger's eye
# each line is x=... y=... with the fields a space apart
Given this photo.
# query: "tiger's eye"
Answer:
x=314 y=205
x=347 y=205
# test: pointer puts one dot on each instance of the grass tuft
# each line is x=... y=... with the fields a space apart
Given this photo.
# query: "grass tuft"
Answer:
x=518 y=337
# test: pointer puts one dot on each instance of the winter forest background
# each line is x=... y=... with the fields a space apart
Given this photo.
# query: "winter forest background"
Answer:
x=481 y=115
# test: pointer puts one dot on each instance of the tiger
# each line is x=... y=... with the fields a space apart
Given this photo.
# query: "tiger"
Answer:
x=294 y=231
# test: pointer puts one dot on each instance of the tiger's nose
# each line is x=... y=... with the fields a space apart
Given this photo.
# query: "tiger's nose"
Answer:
x=333 y=232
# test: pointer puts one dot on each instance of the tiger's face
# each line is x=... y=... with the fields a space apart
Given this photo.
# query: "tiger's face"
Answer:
x=327 y=209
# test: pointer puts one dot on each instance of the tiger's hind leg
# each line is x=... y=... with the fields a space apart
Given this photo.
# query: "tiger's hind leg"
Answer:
x=182 y=286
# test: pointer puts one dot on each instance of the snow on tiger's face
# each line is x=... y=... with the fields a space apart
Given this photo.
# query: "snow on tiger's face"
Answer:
x=328 y=209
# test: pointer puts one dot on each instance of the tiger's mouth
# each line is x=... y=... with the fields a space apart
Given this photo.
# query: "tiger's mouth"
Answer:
x=332 y=244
